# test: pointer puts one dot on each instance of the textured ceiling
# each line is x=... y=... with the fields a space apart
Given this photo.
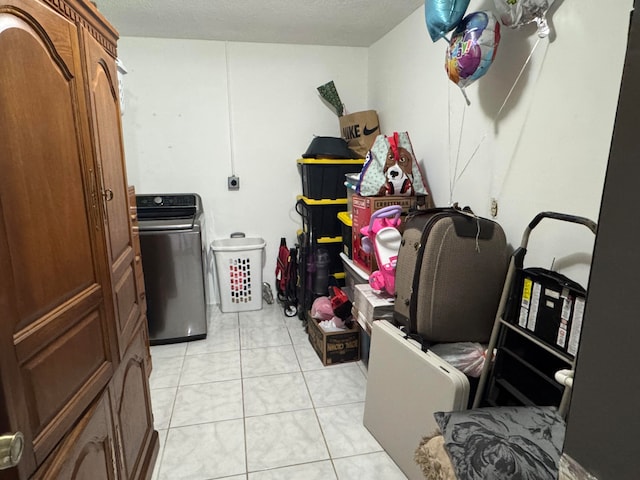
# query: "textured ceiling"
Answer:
x=357 y=23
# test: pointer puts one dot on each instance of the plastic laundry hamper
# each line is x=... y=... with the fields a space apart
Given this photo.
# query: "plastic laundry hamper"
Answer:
x=239 y=271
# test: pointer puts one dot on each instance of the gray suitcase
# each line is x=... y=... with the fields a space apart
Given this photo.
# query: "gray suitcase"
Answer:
x=449 y=275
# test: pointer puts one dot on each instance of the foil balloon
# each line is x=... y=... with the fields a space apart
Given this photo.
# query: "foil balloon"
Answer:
x=516 y=13
x=442 y=16
x=472 y=48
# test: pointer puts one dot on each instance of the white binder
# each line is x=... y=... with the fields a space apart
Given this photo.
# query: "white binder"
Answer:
x=405 y=386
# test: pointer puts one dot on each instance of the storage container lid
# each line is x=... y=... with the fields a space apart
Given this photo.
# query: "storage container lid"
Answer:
x=310 y=201
x=332 y=161
x=329 y=147
x=345 y=217
x=322 y=239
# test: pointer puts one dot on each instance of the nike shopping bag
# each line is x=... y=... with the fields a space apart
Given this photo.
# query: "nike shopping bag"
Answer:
x=360 y=130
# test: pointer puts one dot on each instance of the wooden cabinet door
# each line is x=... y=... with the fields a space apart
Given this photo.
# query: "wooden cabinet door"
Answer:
x=135 y=229
x=107 y=143
x=88 y=452
x=56 y=346
x=132 y=409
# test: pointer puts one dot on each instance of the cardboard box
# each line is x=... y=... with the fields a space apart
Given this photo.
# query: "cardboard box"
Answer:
x=334 y=347
x=365 y=335
x=362 y=208
x=364 y=295
x=372 y=305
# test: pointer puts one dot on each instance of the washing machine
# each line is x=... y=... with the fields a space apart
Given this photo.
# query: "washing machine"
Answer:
x=175 y=264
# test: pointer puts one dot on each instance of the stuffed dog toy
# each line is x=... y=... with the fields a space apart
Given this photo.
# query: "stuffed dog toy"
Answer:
x=398 y=171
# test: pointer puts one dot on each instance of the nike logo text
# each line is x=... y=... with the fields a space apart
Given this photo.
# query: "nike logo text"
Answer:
x=351 y=131
x=369 y=131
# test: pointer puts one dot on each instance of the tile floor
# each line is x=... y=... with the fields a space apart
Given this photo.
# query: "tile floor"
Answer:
x=254 y=402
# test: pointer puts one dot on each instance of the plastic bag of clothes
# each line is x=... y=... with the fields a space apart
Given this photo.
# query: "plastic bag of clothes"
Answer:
x=468 y=357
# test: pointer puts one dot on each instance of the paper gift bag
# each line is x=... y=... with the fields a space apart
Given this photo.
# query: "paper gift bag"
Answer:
x=360 y=130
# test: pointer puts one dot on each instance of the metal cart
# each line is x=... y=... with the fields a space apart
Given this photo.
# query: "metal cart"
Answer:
x=540 y=351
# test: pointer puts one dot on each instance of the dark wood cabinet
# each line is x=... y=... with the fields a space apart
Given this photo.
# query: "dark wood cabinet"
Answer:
x=88 y=452
x=74 y=356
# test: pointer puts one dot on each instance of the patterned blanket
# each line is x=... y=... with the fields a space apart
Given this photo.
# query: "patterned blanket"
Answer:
x=502 y=443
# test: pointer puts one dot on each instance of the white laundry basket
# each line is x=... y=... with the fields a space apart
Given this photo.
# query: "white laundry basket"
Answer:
x=239 y=271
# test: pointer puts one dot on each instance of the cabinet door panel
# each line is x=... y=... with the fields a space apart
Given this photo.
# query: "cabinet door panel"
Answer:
x=134 y=418
x=42 y=176
x=105 y=129
x=135 y=229
x=88 y=452
x=51 y=289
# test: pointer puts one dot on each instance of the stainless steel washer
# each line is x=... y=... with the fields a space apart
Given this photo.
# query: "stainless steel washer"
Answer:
x=174 y=264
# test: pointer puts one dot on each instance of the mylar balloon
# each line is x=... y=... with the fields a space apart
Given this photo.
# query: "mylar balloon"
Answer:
x=442 y=16
x=515 y=13
x=472 y=48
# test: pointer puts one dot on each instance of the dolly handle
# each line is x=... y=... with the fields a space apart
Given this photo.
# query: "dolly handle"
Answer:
x=590 y=224
x=521 y=251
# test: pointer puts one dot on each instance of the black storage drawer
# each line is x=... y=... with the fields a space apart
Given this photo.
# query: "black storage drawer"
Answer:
x=320 y=217
x=324 y=178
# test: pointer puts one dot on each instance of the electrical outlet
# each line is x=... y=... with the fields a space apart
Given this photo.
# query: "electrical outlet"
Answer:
x=233 y=182
x=494 y=207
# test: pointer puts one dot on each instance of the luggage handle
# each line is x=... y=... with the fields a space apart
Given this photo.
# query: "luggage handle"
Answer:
x=455 y=208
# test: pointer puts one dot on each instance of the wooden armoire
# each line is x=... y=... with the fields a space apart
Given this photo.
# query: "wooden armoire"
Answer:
x=74 y=350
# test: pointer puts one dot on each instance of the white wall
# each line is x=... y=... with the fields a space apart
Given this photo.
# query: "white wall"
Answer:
x=177 y=125
x=548 y=149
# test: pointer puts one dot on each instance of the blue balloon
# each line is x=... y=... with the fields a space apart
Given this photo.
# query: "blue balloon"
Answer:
x=442 y=16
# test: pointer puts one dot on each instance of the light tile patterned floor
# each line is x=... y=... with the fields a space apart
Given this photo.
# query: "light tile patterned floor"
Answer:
x=254 y=402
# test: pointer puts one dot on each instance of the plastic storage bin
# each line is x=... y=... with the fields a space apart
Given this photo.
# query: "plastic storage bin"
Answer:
x=351 y=181
x=345 y=225
x=323 y=178
x=239 y=272
x=320 y=217
x=333 y=245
